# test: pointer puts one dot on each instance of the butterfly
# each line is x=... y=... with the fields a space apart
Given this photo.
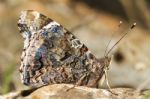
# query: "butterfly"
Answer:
x=53 y=55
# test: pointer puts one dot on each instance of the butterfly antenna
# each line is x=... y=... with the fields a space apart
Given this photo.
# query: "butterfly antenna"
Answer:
x=120 y=23
x=105 y=70
x=133 y=26
x=107 y=46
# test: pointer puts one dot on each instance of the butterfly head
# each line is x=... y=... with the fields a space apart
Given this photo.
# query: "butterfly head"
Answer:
x=105 y=62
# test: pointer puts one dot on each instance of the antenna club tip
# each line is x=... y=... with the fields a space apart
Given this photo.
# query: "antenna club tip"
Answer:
x=133 y=26
x=120 y=22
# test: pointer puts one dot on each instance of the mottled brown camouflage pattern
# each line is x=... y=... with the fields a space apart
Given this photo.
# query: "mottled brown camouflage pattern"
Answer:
x=52 y=54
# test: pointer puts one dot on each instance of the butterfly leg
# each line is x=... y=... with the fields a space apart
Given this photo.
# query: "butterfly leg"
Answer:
x=93 y=84
x=78 y=83
x=71 y=87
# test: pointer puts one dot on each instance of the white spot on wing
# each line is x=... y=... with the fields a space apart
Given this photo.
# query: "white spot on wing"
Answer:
x=50 y=24
x=36 y=14
x=76 y=43
x=22 y=16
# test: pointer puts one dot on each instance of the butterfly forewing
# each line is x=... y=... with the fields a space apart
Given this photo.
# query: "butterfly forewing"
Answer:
x=54 y=55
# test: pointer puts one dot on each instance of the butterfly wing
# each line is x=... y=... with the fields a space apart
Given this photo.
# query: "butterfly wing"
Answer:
x=54 y=55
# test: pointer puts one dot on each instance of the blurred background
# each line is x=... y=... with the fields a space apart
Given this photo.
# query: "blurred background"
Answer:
x=93 y=22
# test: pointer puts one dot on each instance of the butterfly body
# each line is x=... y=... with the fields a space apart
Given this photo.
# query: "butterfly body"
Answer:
x=52 y=54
